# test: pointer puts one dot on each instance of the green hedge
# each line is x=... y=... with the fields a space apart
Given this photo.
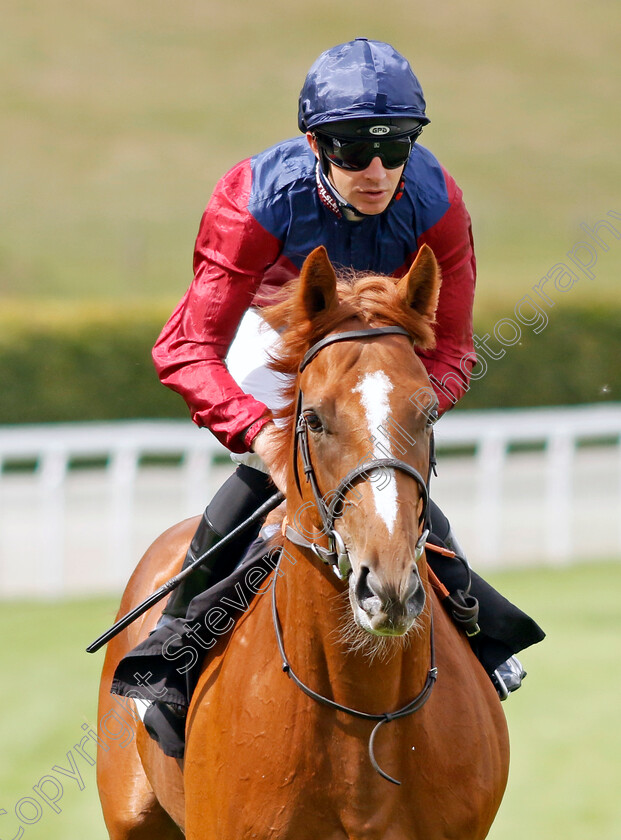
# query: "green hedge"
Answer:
x=82 y=363
x=574 y=359
x=92 y=363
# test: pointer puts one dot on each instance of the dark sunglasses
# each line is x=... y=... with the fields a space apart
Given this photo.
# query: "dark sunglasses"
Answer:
x=356 y=155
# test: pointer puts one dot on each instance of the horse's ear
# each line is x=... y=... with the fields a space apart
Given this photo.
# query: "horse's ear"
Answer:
x=317 y=289
x=421 y=285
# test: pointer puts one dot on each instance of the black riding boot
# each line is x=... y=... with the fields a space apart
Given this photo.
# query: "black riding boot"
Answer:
x=235 y=501
x=503 y=629
x=205 y=538
x=243 y=493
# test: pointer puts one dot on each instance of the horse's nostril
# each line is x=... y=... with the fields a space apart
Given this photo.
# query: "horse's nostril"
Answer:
x=412 y=586
x=388 y=605
x=363 y=589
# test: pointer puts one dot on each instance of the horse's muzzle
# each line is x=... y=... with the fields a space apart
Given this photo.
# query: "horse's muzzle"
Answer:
x=384 y=608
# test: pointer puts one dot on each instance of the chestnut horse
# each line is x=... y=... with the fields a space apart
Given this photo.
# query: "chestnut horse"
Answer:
x=332 y=686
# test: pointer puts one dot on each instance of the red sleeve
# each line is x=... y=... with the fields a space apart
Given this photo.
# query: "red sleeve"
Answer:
x=450 y=363
x=231 y=256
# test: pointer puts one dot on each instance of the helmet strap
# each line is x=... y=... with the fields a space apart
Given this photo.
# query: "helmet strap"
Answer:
x=334 y=200
x=348 y=211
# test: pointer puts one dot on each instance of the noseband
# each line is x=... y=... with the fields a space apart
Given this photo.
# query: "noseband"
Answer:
x=336 y=554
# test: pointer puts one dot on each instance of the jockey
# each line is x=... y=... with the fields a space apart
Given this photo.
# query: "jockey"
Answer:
x=359 y=183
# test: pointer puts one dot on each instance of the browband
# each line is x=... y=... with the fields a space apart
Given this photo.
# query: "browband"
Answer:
x=348 y=336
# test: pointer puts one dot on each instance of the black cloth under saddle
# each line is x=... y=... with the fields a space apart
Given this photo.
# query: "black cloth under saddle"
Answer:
x=166 y=666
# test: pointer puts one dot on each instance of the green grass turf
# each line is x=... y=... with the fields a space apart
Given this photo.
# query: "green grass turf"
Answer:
x=565 y=737
x=49 y=690
x=118 y=118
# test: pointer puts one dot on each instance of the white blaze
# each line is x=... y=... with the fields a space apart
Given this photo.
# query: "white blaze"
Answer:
x=374 y=389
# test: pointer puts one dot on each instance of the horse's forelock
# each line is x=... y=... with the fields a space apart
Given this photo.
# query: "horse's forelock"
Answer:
x=372 y=299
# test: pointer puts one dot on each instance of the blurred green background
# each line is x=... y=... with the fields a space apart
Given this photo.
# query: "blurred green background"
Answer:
x=117 y=120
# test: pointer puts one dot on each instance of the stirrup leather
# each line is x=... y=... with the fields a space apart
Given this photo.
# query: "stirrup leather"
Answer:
x=462 y=606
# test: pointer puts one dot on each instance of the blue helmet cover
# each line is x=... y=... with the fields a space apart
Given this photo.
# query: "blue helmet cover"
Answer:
x=358 y=80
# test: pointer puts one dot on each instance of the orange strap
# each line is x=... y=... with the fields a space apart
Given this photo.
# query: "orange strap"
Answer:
x=434 y=580
x=445 y=552
x=437 y=584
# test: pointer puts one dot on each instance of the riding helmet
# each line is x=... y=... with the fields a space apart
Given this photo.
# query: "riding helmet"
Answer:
x=362 y=90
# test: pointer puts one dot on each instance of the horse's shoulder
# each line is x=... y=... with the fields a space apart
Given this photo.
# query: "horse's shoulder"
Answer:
x=459 y=667
x=244 y=649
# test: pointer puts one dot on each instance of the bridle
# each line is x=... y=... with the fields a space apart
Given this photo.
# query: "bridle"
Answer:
x=336 y=553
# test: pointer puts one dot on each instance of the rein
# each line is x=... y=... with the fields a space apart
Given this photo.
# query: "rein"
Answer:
x=413 y=706
x=336 y=553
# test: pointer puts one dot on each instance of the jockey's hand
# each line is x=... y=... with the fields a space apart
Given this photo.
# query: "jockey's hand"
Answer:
x=265 y=444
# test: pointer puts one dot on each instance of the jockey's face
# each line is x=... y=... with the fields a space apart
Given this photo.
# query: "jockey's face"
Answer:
x=370 y=190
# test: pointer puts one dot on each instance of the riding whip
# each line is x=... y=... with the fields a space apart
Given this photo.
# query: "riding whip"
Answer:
x=175 y=581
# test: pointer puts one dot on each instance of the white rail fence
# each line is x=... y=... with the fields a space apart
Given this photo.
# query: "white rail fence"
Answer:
x=79 y=503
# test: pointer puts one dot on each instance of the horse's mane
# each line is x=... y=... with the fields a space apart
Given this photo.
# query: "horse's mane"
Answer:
x=372 y=300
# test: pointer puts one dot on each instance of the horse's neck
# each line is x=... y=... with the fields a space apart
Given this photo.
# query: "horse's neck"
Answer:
x=314 y=609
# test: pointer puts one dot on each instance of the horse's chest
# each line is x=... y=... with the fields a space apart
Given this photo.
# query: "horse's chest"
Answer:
x=282 y=766
x=306 y=775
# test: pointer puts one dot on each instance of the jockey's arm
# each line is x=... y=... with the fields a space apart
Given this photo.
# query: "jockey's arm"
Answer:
x=450 y=363
x=231 y=255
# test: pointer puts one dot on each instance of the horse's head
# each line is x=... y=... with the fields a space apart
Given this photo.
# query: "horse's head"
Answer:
x=359 y=400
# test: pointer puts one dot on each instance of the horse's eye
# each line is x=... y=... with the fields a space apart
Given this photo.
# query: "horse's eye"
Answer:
x=313 y=422
x=432 y=417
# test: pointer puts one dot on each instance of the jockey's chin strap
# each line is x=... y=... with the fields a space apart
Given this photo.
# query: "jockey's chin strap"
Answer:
x=336 y=553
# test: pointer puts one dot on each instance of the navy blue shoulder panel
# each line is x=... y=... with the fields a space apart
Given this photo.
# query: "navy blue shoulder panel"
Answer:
x=285 y=201
x=278 y=174
x=425 y=189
